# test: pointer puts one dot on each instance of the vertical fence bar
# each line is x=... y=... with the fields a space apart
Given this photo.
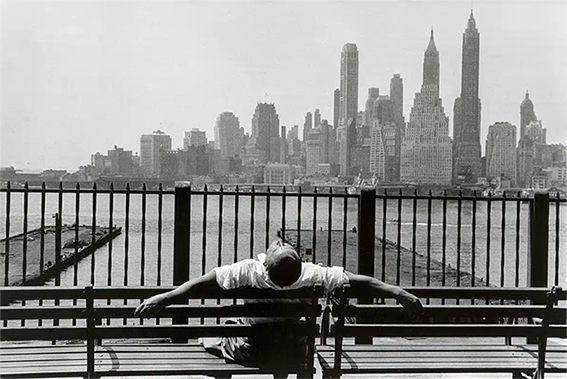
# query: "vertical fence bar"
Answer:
x=219 y=240
x=314 y=236
x=284 y=199
x=143 y=241
x=517 y=274
x=76 y=252
x=384 y=221
x=204 y=241
x=503 y=241
x=58 y=231
x=399 y=241
x=110 y=230
x=473 y=243
x=42 y=236
x=299 y=201
x=267 y=239
x=160 y=227
x=557 y=266
x=252 y=209
x=93 y=234
x=236 y=210
x=488 y=230
x=182 y=228
x=413 y=237
x=539 y=241
x=366 y=232
x=25 y=239
x=76 y=247
x=7 y=241
x=330 y=227
x=429 y=240
x=459 y=225
x=345 y=224
x=444 y=244
x=126 y=240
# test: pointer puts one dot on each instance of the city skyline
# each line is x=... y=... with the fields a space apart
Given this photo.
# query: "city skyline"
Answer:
x=89 y=71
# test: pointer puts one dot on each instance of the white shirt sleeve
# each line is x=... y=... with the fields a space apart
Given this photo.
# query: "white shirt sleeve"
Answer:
x=328 y=277
x=236 y=275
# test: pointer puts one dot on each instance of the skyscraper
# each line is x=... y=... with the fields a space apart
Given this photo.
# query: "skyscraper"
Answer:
x=426 y=152
x=397 y=97
x=466 y=121
x=307 y=125
x=228 y=135
x=151 y=146
x=336 y=107
x=501 y=151
x=526 y=146
x=373 y=94
x=316 y=118
x=194 y=137
x=266 y=132
x=527 y=114
x=348 y=105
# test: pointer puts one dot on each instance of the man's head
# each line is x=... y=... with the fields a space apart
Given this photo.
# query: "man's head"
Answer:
x=282 y=263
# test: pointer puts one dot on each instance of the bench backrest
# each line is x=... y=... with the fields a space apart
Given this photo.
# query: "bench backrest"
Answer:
x=482 y=317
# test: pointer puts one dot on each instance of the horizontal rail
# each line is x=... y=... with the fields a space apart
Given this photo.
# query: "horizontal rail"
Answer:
x=52 y=333
x=448 y=330
x=195 y=331
x=505 y=293
x=443 y=311
x=197 y=311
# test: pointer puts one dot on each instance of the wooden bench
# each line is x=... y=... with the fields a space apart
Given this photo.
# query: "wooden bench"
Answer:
x=458 y=324
x=114 y=343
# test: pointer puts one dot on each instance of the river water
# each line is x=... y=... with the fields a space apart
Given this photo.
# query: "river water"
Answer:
x=228 y=237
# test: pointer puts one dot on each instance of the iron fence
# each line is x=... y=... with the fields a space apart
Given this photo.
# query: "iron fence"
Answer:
x=162 y=236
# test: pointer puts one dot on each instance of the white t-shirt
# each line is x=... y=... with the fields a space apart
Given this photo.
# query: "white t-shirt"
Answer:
x=251 y=272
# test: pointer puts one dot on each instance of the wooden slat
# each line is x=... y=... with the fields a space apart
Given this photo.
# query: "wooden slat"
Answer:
x=46 y=312
x=52 y=333
x=193 y=331
x=510 y=293
x=240 y=293
x=441 y=311
x=210 y=310
x=10 y=294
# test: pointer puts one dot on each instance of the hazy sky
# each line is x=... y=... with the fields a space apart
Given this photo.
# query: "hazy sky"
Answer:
x=78 y=77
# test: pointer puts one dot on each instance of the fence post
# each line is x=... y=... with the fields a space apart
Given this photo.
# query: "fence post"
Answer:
x=181 y=235
x=365 y=243
x=538 y=254
x=181 y=245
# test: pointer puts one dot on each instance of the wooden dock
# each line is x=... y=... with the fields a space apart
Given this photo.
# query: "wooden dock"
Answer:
x=41 y=258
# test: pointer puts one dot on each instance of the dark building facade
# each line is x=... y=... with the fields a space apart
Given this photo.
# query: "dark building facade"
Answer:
x=266 y=132
x=467 y=166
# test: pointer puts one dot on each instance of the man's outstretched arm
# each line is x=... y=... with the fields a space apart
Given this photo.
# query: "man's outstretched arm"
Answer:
x=154 y=304
x=371 y=286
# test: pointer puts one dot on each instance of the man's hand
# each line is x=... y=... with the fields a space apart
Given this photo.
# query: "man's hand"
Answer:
x=150 y=307
x=413 y=306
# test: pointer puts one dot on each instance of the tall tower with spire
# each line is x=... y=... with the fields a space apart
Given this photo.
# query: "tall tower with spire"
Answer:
x=527 y=114
x=426 y=153
x=467 y=165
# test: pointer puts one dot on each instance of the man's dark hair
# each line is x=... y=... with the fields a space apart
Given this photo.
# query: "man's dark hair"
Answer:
x=286 y=271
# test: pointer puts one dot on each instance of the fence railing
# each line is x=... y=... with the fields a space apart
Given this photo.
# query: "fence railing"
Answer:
x=169 y=236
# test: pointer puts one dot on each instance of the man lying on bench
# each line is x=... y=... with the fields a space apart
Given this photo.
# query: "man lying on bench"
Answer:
x=280 y=268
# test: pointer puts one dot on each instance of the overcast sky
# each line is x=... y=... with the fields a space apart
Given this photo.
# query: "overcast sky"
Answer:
x=78 y=77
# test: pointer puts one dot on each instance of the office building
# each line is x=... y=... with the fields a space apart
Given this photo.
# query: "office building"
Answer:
x=501 y=151
x=373 y=94
x=466 y=121
x=228 y=135
x=194 y=137
x=397 y=97
x=348 y=105
x=266 y=132
x=151 y=146
x=426 y=151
